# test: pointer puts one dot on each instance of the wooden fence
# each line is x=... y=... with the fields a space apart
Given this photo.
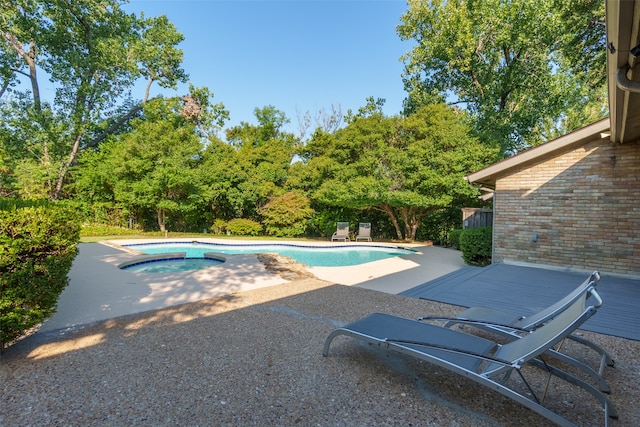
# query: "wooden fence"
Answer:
x=477 y=217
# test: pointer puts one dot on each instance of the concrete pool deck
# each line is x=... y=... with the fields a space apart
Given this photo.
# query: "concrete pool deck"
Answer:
x=99 y=290
x=254 y=357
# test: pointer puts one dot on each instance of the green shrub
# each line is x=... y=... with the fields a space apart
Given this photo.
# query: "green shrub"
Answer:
x=454 y=238
x=105 y=230
x=287 y=215
x=437 y=225
x=37 y=247
x=104 y=213
x=219 y=226
x=244 y=227
x=8 y=203
x=475 y=244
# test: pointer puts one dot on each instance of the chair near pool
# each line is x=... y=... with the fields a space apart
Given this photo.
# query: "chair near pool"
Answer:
x=364 y=231
x=341 y=233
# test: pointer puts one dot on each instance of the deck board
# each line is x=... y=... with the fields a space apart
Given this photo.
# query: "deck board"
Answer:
x=526 y=290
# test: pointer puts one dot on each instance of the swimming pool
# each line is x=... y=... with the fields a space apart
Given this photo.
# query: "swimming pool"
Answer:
x=313 y=256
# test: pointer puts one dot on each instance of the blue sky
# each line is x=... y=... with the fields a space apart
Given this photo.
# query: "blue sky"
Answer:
x=294 y=55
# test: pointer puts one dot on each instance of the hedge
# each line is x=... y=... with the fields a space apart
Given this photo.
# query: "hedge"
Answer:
x=454 y=238
x=476 y=245
x=243 y=227
x=37 y=246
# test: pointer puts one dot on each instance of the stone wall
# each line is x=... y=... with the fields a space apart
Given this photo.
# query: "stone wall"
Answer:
x=579 y=209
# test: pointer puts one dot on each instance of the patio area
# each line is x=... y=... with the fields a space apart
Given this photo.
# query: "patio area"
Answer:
x=253 y=357
x=527 y=290
x=99 y=290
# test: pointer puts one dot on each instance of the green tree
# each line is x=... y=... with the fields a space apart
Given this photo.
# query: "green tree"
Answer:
x=154 y=166
x=264 y=153
x=287 y=215
x=403 y=167
x=584 y=40
x=220 y=176
x=5 y=180
x=93 y=53
x=584 y=52
x=372 y=107
x=505 y=62
x=94 y=184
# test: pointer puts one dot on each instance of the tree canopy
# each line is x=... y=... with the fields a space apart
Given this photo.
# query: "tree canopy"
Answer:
x=93 y=53
x=151 y=167
x=511 y=64
x=483 y=79
x=405 y=167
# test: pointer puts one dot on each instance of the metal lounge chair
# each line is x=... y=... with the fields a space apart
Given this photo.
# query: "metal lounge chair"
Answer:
x=341 y=233
x=513 y=326
x=364 y=231
x=481 y=360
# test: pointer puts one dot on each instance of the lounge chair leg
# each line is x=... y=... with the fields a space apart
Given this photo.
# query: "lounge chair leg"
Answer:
x=606 y=358
x=609 y=409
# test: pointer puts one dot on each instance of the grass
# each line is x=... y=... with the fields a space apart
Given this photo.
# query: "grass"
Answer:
x=92 y=234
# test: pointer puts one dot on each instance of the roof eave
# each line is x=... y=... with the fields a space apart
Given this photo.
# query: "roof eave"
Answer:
x=488 y=175
x=623 y=27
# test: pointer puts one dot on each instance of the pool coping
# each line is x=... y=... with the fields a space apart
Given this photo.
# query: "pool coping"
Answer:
x=131 y=245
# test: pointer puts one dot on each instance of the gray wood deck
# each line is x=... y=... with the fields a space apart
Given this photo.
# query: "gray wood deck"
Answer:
x=526 y=290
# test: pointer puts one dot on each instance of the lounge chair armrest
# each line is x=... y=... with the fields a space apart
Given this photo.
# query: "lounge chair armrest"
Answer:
x=472 y=322
x=515 y=364
x=596 y=296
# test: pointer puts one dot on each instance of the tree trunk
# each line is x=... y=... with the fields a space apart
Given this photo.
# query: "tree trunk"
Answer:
x=162 y=219
x=414 y=220
x=406 y=215
x=5 y=86
x=411 y=217
x=147 y=90
x=412 y=227
x=389 y=211
x=114 y=127
x=62 y=173
x=29 y=58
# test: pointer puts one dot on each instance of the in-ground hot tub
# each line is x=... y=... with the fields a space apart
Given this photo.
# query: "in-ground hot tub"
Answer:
x=170 y=263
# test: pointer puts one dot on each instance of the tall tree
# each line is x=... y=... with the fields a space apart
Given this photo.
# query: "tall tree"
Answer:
x=264 y=153
x=584 y=40
x=154 y=166
x=403 y=167
x=327 y=121
x=221 y=176
x=93 y=53
x=503 y=61
x=584 y=52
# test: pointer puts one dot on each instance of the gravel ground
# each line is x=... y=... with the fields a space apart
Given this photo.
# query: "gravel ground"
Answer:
x=254 y=358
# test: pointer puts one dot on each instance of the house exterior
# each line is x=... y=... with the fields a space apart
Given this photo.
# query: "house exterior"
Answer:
x=573 y=203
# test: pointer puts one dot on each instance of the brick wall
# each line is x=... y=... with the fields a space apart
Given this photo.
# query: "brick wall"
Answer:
x=580 y=209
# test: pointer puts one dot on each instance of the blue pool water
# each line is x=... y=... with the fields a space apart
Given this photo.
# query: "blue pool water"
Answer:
x=313 y=256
